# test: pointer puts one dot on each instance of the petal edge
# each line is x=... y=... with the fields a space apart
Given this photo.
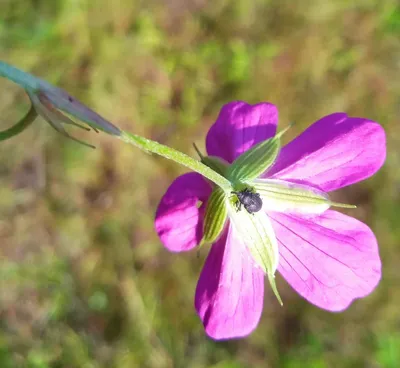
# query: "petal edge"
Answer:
x=179 y=219
x=230 y=291
x=330 y=260
x=334 y=152
x=240 y=126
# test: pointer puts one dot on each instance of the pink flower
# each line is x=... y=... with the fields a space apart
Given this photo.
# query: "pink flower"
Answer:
x=329 y=258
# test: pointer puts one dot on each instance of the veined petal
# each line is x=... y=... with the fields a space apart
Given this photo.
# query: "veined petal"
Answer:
x=334 y=152
x=283 y=196
x=240 y=126
x=330 y=259
x=230 y=291
x=216 y=214
x=256 y=231
x=179 y=216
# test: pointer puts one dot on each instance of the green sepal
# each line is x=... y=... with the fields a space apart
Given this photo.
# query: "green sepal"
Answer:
x=271 y=279
x=217 y=164
x=256 y=160
x=283 y=196
x=216 y=215
x=256 y=232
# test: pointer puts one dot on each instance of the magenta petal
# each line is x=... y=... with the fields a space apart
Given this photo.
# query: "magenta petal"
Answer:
x=230 y=291
x=334 y=152
x=240 y=126
x=179 y=220
x=330 y=259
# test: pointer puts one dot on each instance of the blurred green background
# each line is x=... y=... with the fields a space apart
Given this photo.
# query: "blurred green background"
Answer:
x=84 y=279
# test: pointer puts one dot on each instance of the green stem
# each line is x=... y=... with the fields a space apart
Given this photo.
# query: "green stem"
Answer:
x=179 y=157
x=20 y=126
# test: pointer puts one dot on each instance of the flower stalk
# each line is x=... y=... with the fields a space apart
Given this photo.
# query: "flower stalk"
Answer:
x=179 y=157
x=20 y=126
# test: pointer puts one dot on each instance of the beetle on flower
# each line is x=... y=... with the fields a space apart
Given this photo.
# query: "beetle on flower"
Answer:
x=251 y=201
x=329 y=258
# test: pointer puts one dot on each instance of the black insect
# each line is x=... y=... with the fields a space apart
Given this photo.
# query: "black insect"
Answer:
x=251 y=201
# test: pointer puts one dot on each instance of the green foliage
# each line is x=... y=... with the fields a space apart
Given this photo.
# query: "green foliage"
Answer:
x=388 y=354
x=85 y=280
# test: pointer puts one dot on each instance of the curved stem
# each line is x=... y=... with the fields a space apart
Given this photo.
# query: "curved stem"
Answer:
x=20 y=126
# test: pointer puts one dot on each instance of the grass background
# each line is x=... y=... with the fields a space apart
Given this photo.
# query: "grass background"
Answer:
x=84 y=280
